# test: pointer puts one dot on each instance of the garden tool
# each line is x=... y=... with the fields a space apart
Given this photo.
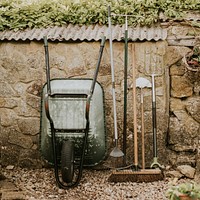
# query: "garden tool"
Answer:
x=135 y=174
x=116 y=152
x=65 y=123
x=142 y=83
x=125 y=88
x=154 y=69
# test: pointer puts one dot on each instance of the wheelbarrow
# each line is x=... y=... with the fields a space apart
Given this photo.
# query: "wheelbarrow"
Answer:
x=73 y=133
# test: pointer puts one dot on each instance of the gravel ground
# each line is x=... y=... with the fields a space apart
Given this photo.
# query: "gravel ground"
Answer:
x=40 y=184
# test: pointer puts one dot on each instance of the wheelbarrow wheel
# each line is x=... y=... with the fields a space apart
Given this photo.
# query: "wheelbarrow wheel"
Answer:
x=67 y=161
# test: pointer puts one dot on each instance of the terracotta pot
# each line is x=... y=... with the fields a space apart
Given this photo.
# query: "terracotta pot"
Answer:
x=185 y=197
x=191 y=65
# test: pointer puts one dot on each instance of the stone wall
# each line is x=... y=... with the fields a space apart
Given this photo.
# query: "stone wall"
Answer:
x=184 y=108
x=22 y=75
x=184 y=114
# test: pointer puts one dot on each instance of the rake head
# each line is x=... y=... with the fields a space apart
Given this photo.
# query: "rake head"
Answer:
x=116 y=152
x=153 y=61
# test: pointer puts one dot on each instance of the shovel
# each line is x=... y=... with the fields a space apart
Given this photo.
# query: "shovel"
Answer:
x=142 y=83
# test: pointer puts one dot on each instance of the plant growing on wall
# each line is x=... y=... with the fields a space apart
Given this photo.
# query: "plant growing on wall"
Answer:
x=21 y=14
x=195 y=57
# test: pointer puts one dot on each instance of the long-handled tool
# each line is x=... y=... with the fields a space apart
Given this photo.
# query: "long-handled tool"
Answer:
x=116 y=152
x=134 y=111
x=125 y=88
x=135 y=174
x=154 y=69
x=155 y=162
x=142 y=83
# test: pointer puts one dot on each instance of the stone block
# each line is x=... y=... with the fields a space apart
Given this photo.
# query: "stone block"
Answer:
x=8 y=102
x=24 y=110
x=181 y=158
x=35 y=88
x=174 y=54
x=9 y=154
x=6 y=90
x=30 y=158
x=7 y=65
x=198 y=164
x=180 y=147
x=190 y=126
x=33 y=102
x=193 y=107
x=181 y=87
x=29 y=126
x=187 y=170
x=20 y=89
x=183 y=132
x=182 y=41
x=176 y=104
x=2 y=177
x=21 y=140
x=177 y=70
x=173 y=174
x=180 y=30
x=56 y=73
x=197 y=87
x=8 y=117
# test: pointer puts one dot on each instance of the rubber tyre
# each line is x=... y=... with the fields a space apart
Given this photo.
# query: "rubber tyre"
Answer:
x=67 y=161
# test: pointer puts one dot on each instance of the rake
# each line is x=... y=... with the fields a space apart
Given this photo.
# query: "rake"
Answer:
x=116 y=152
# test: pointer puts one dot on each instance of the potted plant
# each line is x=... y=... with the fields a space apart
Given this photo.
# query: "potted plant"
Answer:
x=192 y=60
x=184 y=191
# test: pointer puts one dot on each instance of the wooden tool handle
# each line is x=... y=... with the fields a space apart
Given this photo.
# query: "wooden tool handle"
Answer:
x=142 y=128
x=134 y=109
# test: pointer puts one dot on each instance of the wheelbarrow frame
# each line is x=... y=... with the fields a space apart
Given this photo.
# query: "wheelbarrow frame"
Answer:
x=85 y=131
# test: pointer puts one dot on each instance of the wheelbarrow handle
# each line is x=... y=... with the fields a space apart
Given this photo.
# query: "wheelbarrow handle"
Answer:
x=47 y=65
x=94 y=78
x=103 y=39
x=45 y=41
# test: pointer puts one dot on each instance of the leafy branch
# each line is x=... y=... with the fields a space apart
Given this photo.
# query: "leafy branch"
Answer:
x=22 y=14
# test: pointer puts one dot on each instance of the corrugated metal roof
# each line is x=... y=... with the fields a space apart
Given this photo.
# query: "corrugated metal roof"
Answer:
x=91 y=32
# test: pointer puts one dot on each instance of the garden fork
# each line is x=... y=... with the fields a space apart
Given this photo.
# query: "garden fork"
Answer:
x=153 y=66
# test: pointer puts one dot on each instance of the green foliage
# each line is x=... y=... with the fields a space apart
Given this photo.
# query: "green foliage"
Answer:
x=191 y=189
x=21 y=14
x=196 y=54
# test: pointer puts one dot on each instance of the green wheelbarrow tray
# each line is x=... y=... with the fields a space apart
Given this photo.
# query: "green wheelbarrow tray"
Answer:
x=68 y=114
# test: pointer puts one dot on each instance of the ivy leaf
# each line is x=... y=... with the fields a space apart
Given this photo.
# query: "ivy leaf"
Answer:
x=20 y=14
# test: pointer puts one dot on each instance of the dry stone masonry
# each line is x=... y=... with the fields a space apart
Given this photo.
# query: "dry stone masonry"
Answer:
x=22 y=75
x=184 y=124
